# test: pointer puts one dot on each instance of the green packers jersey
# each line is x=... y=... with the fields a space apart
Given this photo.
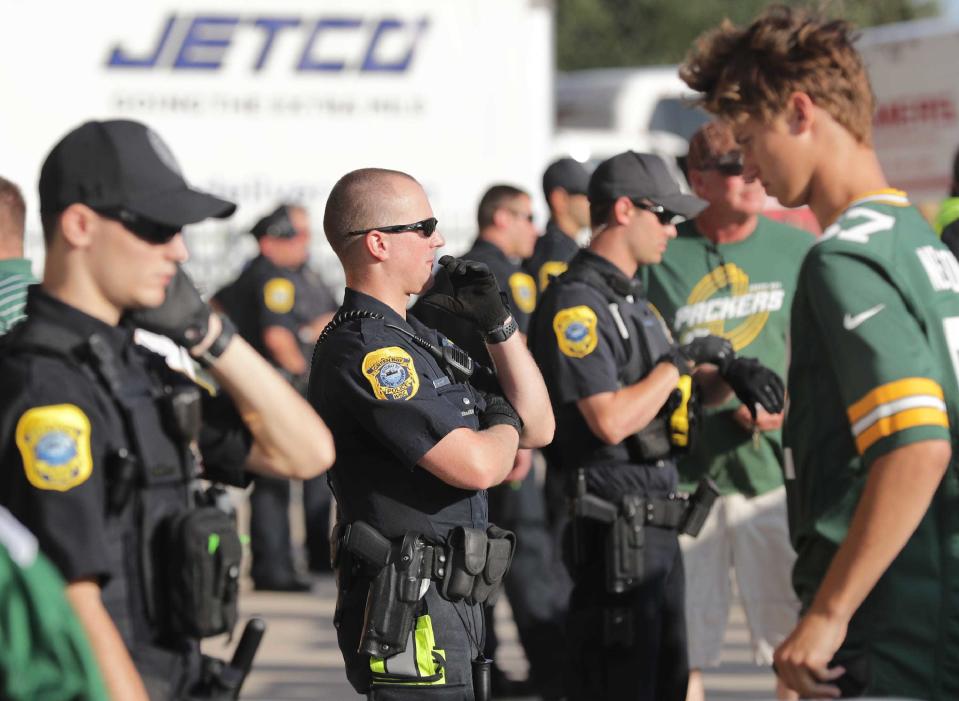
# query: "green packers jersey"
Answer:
x=742 y=291
x=873 y=367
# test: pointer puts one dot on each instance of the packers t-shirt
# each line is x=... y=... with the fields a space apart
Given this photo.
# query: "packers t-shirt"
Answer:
x=742 y=291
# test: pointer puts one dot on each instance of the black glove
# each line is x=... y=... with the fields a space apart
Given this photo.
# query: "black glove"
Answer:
x=677 y=357
x=476 y=296
x=753 y=382
x=499 y=411
x=710 y=349
x=183 y=316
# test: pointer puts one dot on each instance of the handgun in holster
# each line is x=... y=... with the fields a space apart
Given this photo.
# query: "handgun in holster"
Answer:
x=699 y=505
x=583 y=509
x=399 y=583
x=625 y=544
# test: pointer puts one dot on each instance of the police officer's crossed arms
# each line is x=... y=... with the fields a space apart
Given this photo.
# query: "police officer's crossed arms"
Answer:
x=417 y=444
x=623 y=394
x=98 y=433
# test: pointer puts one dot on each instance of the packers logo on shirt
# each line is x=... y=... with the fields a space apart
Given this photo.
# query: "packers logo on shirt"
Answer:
x=550 y=269
x=575 y=329
x=523 y=288
x=725 y=295
x=279 y=295
x=54 y=442
x=391 y=373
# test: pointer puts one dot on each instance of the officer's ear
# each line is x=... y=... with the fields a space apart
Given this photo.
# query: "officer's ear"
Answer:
x=377 y=244
x=78 y=224
x=558 y=200
x=622 y=211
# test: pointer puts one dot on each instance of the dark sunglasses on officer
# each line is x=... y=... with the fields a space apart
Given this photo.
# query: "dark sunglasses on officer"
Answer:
x=142 y=228
x=424 y=228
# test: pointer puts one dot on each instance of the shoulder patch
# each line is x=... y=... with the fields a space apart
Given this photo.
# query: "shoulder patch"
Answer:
x=523 y=288
x=575 y=329
x=54 y=442
x=279 y=295
x=391 y=373
x=550 y=269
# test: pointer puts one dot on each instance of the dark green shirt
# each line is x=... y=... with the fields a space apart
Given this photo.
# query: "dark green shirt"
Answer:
x=15 y=276
x=742 y=291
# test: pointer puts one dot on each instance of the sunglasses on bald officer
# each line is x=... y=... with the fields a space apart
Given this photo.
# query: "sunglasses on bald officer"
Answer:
x=728 y=164
x=424 y=228
x=664 y=216
x=142 y=228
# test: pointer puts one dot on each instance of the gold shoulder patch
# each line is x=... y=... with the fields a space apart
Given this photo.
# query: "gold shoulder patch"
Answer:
x=391 y=373
x=551 y=268
x=575 y=329
x=523 y=288
x=279 y=295
x=54 y=442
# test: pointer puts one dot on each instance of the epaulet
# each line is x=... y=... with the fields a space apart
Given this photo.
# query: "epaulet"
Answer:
x=341 y=318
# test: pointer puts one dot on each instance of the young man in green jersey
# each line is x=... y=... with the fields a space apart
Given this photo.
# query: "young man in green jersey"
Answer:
x=872 y=381
x=732 y=272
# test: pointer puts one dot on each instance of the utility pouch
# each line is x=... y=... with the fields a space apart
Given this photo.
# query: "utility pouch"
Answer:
x=651 y=443
x=501 y=544
x=625 y=543
x=200 y=555
x=467 y=557
x=699 y=506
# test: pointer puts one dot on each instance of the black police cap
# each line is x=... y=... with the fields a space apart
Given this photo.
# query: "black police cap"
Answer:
x=277 y=224
x=567 y=174
x=123 y=164
x=641 y=176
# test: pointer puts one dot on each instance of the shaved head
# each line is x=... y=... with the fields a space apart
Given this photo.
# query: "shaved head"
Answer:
x=364 y=199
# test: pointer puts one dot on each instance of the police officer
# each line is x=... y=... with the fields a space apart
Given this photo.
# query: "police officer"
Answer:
x=97 y=432
x=280 y=306
x=621 y=391
x=507 y=236
x=564 y=187
x=418 y=445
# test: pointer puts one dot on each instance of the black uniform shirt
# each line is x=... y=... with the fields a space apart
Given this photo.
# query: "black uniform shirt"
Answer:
x=388 y=402
x=554 y=249
x=59 y=428
x=267 y=295
x=517 y=284
x=579 y=346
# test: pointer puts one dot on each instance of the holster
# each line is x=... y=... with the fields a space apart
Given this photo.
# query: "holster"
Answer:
x=478 y=562
x=699 y=506
x=625 y=542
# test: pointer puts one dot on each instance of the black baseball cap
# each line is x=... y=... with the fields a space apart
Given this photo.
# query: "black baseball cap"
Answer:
x=567 y=174
x=122 y=164
x=276 y=224
x=641 y=175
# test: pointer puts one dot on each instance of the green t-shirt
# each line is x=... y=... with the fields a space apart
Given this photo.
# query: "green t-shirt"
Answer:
x=873 y=367
x=15 y=276
x=44 y=654
x=742 y=291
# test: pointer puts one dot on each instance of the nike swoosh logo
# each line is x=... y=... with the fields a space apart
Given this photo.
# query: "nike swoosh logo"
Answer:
x=849 y=322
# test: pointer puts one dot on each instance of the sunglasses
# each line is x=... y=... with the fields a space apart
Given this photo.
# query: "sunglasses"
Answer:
x=664 y=216
x=528 y=216
x=144 y=229
x=728 y=164
x=424 y=228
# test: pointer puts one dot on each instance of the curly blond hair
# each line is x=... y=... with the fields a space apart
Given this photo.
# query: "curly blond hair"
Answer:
x=752 y=71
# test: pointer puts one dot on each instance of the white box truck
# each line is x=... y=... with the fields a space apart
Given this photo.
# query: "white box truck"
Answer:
x=270 y=101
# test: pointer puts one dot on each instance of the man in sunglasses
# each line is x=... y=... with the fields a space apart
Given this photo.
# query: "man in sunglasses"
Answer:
x=418 y=444
x=622 y=390
x=280 y=306
x=98 y=433
x=507 y=237
x=732 y=272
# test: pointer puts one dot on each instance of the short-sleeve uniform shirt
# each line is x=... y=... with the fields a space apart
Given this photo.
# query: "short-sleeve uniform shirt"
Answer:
x=874 y=363
x=579 y=345
x=267 y=295
x=551 y=256
x=388 y=402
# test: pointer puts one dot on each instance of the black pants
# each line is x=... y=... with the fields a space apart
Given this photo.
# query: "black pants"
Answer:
x=536 y=594
x=630 y=645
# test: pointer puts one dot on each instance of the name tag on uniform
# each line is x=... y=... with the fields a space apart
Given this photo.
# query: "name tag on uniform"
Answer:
x=441 y=382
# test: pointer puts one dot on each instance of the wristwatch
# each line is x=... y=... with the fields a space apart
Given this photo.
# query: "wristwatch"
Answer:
x=215 y=350
x=503 y=331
